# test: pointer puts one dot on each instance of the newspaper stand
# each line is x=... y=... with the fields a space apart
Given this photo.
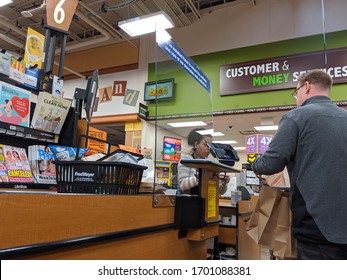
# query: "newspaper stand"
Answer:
x=98 y=177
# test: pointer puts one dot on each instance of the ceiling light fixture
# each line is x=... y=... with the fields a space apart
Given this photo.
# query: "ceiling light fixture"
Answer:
x=146 y=24
x=239 y=148
x=5 y=2
x=225 y=141
x=187 y=124
x=266 y=127
x=217 y=134
x=210 y=132
x=29 y=13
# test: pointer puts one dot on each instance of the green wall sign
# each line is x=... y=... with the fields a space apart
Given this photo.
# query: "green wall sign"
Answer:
x=188 y=92
x=280 y=72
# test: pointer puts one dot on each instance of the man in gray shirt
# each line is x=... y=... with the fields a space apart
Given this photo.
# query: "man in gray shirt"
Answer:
x=312 y=142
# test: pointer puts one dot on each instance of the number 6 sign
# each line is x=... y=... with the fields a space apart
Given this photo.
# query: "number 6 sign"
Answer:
x=60 y=12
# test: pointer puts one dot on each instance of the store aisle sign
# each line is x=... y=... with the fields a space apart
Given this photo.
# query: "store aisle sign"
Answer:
x=186 y=63
x=143 y=111
x=280 y=72
x=257 y=143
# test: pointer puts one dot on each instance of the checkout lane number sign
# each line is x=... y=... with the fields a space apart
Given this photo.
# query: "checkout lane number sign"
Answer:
x=60 y=12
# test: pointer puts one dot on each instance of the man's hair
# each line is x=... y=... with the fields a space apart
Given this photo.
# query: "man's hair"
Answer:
x=195 y=137
x=318 y=78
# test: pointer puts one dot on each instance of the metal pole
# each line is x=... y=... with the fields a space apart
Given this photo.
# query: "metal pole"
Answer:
x=51 y=53
x=46 y=48
x=62 y=55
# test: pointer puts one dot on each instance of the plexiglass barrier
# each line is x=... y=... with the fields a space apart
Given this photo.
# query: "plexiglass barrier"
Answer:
x=178 y=92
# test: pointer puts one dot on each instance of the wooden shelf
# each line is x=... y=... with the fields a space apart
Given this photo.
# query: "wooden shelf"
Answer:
x=236 y=235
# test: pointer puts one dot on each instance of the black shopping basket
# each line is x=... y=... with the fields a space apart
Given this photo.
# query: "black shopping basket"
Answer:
x=98 y=177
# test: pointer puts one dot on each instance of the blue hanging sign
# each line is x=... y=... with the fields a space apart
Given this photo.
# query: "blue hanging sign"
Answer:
x=186 y=63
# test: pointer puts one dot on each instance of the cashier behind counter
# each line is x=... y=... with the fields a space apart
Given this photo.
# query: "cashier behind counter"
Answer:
x=187 y=176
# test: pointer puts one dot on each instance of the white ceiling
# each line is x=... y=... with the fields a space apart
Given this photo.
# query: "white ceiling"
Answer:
x=97 y=19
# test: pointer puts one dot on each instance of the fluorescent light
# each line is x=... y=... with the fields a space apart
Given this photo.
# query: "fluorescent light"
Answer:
x=266 y=127
x=5 y=2
x=225 y=141
x=217 y=134
x=210 y=132
x=205 y=131
x=187 y=124
x=239 y=148
x=146 y=24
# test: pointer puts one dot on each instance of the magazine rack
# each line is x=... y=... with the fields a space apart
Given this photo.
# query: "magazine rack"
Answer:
x=20 y=132
x=20 y=136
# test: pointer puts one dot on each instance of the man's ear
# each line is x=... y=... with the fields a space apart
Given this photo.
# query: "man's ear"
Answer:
x=308 y=87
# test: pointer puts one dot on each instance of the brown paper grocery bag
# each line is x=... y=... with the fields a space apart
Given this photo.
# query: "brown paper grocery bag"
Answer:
x=270 y=223
x=284 y=246
x=263 y=222
x=276 y=179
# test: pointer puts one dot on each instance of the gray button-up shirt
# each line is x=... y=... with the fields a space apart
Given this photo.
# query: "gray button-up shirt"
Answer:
x=312 y=142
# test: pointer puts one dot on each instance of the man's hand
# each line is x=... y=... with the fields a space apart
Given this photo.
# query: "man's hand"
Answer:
x=255 y=172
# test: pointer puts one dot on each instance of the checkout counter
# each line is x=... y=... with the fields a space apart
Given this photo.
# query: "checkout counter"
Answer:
x=49 y=225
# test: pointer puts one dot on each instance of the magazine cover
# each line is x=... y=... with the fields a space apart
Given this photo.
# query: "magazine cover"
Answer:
x=57 y=86
x=31 y=77
x=17 y=69
x=14 y=104
x=46 y=83
x=3 y=169
x=5 y=63
x=41 y=163
x=17 y=163
x=50 y=112
x=34 y=48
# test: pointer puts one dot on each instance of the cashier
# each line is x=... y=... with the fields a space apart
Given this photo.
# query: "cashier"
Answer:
x=188 y=178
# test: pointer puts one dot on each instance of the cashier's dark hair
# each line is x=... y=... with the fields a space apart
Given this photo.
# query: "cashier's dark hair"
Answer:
x=195 y=137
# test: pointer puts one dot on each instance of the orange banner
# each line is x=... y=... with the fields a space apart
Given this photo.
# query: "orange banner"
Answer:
x=96 y=146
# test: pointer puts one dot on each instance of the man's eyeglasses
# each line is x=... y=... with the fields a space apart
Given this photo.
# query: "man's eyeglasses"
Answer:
x=295 y=92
